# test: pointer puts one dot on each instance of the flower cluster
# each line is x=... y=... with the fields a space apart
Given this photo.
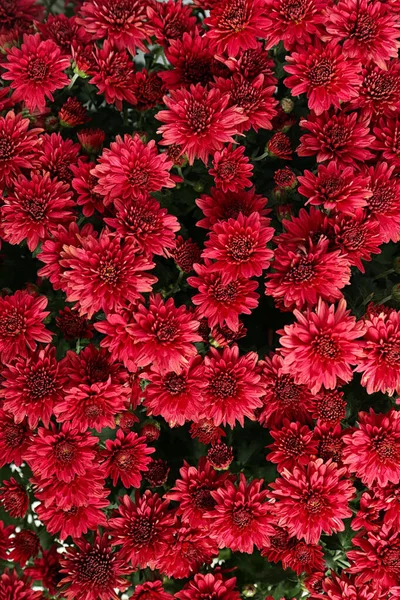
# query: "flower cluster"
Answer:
x=200 y=300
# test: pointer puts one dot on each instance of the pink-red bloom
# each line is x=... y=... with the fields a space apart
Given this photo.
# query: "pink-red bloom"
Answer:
x=113 y=74
x=18 y=146
x=126 y=458
x=231 y=169
x=13 y=498
x=210 y=585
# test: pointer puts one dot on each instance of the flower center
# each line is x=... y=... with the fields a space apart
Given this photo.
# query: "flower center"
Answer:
x=142 y=530
x=331 y=186
x=300 y=270
x=165 y=331
x=293 y=10
x=12 y=324
x=365 y=28
x=292 y=445
x=331 y=447
x=7 y=147
x=138 y=177
x=121 y=13
x=174 y=383
x=386 y=448
x=234 y=16
x=97 y=369
x=245 y=95
x=109 y=272
x=198 y=117
x=242 y=517
x=38 y=69
x=314 y=503
x=174 y=28
x=40 y=383
x=92 y=409
x=287 y=391
x=332 y=407
x=390 y=353
x=240 y=247
x=13 y=435
x=325 y=346
x=197 y=70
x=321 y=73
x=202 y=499
x=65 y=452
x=303 y=553
x=337 y=135
x=96 y=568
x=36 y=207
x=380 y=86
x=223 y=385
x=226 y=294
x=141 y=220
x=383 y=198
x=125 y=459
x=227 y=170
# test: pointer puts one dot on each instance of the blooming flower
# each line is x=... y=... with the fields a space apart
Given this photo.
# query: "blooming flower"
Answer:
x=72 y=113
x=17 y=587
x=209 y=585
x=57 y=155
x=126 y=458
x=14 y=498
x=35 y=70
x=387 y=140
x=192 y=60
x=383 y=205
x=113 y=74
x=220 y=206
x=14 y=439
x=170 y=21
x=312 y=499
x=18 y=146
x=24 y=545
x=231 y=169
x=319 y=349
x=293 y=446
x=293 y=23
x=150 y=590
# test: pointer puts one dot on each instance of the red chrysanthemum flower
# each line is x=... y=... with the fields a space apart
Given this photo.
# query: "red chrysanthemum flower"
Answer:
x=303 y=558
x=143 y=529
x=283 y=397
x=342 y=138
x=379 y=90
x=57 y=155
x=189 y=550
x=113 y=74
x=329 y=407
x=72 y=113
x=143 y=220
x=254 y=98
x=116 y=328
x=221 y=300
x=235 y=25
x=21 y=324
x=185 y=253
x=19 y=15
x=220 y=456
x=149 y=89
x=309 y=224
x=231 y=169
x=105 y=273
x=294 y=23
x=310 y=274
x=233 y=388
x=380 y=360
x=91 y=140
x=130 y=168
x=358 y=236
x=63 y=454
x=92 y=572
x=205 y=431
x=13 y=498
x=164 y=334
x=14 y=439
x=324 y=75
x=341 y=587
x=34 y=209
x=372 y=452
x=126 y=458
x=18 y=146
x=119 y=21
x=311 y=499
x=319 y=349
x=384 y=204
x=285 y=179
x=84 y=183
x=335 y=189
x=170 y=20
x=12 y=586
x=330 y=442
x=369 y=31
x=220 y=206
x=199 y=120
x=157 y=472
x=293 y=445
x=31 y=386
x=376 y=559
x=63 y=30
x=35 y=70
x=151 y=590
x=24 y=545
x=252 y=62
x=240 y=518
x=192 y=61
x=239 y=247
x=193 y=492
x=387 y=140
x=176 y=396
x=45 y=569
x=209 y=585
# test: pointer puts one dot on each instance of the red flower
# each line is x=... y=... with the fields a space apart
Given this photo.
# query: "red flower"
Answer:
x=35 y=70
x=231 y=169
x=234 y=25
x=285 y=179
x=324 y=75
x=62 y=454
x=126 y=458
x=19 y=16
x=150 y=590
x=380 y=360
x=24 y=545
x=330 y=442
x=12 y=586
x=341 y=587
x=57 y=155
x=319 y=349
x=149 y=89
x=144 y=221
x=34 y=209
x=220 y=300
x=384 y=204
x=157 y=473
x=45 y=569
x=91 y=140
x=335 y=189
x=21 y=324
x=329 y=407
x=293 y=22
x=239 y=247
x=233 y=386
x=119 y=341
x=220 y=206
x=185 y=253
x=193 y=492
x=14 y=439
x=240 y=519
x=293 y=446
x=357 y=235
x=123 y=23
x=113 y=74
x=176 y=396
x=92 y=571
x=304 y=558
x=84 y=183
x=130 y=168
x=63 y=31
x=171 y=20
x=205 y=431
x=104 y=273
x=143 y=529
x=341 y=138
x=379 y=91
x=220 y=456
x=253 y=62
x=31 y=386
x=14 y=498
x=164 y=335
x=369 y=32
x=72 y=113
x=279 y=146
x=372 y=452
x=312 y=499
x=199 y=121
x=192 y=60
x=283 y=397
x=18 y=146
x=387 y=140
x=304 y=277
x=213 y=586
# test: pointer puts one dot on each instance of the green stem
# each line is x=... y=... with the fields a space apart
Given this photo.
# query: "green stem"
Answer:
x=177 y=285
x=71 y=83
x=261 y=157
x=386 y=299
x=380 y=275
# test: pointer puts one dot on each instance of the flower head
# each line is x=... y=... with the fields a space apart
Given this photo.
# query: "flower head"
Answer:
x=209 y=585
x=126 y=458
x=231 y=169
x=113 y=74
x=14 y=498
x=18 y=146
